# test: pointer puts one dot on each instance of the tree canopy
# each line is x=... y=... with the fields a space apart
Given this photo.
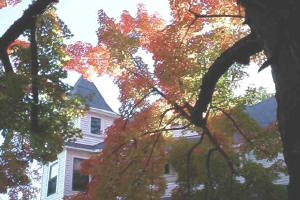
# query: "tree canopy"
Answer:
x=36 y=108
x=199 y=58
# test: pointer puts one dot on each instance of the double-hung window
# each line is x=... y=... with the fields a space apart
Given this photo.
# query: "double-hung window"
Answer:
x=52 y=181
x=80 y=181
x=95 y=125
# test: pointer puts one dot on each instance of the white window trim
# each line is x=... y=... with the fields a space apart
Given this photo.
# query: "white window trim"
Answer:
x=48 y=178
x=101 y=125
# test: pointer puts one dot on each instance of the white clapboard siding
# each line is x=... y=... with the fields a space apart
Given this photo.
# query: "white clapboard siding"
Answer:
x=61 y=159
x=107 y=123
x=85 y=124
x=71 y=154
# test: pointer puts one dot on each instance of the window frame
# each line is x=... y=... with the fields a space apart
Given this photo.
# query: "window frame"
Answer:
x=99 y=129
x=51 y=166
x=167 y=169
x=73 y=162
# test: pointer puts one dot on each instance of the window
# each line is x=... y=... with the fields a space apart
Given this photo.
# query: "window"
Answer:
x=52 y=179
x=95 y=125
x=80 y=181
x=167 y=169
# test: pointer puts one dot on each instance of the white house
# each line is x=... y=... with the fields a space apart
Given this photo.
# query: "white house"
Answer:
x=61 y=177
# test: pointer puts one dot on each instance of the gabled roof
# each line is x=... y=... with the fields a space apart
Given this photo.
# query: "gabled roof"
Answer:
x=91 y=94
x=264 y=112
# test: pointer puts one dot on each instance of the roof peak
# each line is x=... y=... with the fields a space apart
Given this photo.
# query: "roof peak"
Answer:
x=91 y=94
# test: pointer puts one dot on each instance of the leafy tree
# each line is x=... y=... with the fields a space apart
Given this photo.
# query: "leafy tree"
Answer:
x=206 y=174
x=192 y=55
x=36 y=109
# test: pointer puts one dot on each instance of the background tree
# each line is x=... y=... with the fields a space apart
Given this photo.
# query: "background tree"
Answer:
x=207 y=174
x=36 y=108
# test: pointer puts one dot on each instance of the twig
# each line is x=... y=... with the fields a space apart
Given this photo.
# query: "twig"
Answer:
x=148 y=160
x=164 y=114
x=135 y=105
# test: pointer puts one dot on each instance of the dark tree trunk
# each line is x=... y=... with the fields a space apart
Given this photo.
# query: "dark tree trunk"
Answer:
x=276 y=22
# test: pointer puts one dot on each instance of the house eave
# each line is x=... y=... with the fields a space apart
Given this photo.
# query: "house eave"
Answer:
x=83 y=149
x=104 y=112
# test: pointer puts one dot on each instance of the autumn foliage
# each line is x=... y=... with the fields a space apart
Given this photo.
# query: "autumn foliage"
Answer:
x=158 y=99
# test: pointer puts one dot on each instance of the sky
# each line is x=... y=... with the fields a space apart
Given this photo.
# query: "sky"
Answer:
x=81 y=18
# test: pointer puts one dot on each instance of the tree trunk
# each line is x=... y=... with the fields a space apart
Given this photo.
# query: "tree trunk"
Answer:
x=275 y=22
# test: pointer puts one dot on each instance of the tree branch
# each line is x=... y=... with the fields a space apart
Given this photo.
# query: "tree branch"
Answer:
x=34 y=80
x=166 y=129
x=197 y=15
x=208 y=156
x=219 y=148
x=5 y=60
x=19 y=26
x=242 y=49
x=241 y=132
x=176 y=106
x=24 y=22
x=188 y=163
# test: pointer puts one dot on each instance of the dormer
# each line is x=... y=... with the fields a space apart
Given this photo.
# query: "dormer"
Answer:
x=98 y=118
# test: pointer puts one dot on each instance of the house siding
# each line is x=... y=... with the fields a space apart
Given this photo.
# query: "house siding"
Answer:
x=85 y=124
x=58 y=195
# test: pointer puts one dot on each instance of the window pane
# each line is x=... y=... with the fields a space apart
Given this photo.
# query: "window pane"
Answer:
x=167 y=168
x=52 y=179
x=52 y=186
x=53 y=170
x=80 y=181
x=95 y=125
